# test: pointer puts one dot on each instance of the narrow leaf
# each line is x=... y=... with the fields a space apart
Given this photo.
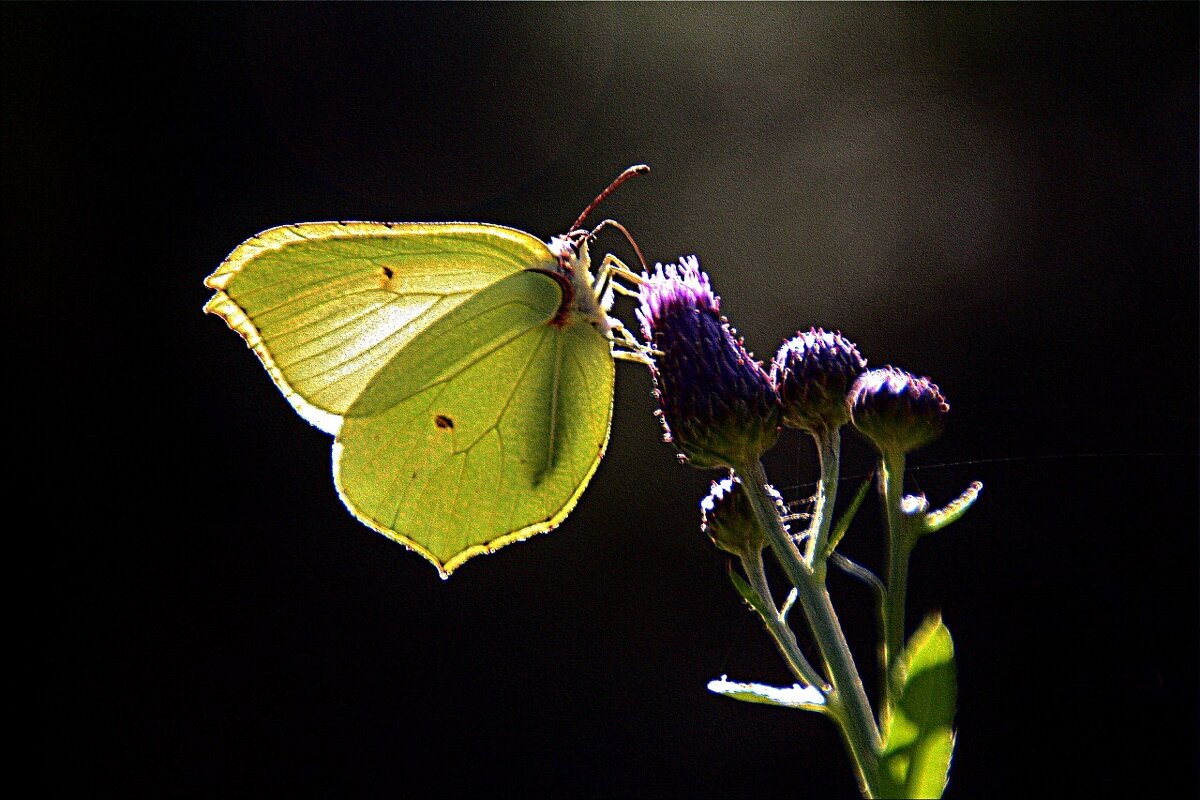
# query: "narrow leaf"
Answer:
x=794 y=696
x=953 y=510
x=749 y=595
x=843 y=524
x=918 y=732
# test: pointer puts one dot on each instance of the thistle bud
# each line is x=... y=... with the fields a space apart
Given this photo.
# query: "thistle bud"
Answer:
x=728 y=519
x=897 y=411
x=717 y=404
x=813 y=373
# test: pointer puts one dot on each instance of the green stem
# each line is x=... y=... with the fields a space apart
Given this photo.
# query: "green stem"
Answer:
x=891 y=485
x=785 y=640
x=847 y=701
x=829 y=450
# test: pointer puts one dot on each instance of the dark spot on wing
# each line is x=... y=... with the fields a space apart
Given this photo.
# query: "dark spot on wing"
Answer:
x=387 y=271
x=444 y=422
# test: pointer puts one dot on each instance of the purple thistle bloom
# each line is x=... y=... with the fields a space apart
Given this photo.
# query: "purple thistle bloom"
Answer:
x=716 y=402
x=813 y=372
x=896 y=410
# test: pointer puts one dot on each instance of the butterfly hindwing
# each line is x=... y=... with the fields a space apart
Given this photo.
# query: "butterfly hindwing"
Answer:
x=487 y=425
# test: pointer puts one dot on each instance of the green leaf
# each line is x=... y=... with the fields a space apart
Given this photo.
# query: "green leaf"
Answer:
x=470 y=407
x=918 y=730
x=794 y=696
x=748 y=594
x=953 y=510
x=843 y=523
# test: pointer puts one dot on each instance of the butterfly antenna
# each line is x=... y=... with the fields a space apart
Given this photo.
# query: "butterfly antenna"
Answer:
x=637 y=169
x=612 y=223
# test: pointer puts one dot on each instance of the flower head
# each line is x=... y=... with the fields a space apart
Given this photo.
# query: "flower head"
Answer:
x=813 y=372
x=728 y=519
x=897 y=411
x=717 y=403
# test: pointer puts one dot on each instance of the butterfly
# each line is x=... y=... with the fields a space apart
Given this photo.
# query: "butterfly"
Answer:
x=465 y=370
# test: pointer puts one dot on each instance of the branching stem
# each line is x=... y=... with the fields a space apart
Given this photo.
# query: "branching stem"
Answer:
x=847 y=702
x=784 y=638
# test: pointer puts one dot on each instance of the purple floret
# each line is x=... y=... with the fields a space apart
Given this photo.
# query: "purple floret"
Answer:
x=674 y=287
x=717 y=402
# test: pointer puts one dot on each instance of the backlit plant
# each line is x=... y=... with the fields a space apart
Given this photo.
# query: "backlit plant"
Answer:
x=721 y=410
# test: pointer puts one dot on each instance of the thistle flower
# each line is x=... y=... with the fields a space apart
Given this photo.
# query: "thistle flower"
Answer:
x=728 y=519
x=717 y=404
x=813 y=372
x=897 y=411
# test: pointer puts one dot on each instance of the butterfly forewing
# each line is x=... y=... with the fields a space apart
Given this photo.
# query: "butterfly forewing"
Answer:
x=326 y=305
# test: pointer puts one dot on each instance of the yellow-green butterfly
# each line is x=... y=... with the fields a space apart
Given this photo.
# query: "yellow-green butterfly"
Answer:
x=465 y=369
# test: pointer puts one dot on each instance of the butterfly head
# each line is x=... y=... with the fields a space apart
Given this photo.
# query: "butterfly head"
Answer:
x=574 y=268
x=574 y=273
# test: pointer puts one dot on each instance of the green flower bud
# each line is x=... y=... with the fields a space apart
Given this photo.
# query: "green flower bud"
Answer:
x=728 y=519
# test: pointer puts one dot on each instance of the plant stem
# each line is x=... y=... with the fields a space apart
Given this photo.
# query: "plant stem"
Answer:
x=784 y=638
x=891 y=486
x=829 y=449
x=847 y=701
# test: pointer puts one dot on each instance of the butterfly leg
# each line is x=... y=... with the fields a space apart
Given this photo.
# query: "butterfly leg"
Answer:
x=637 y=358
x=633 y=349
x=610 y=269
x=621 y=333
x=626 y=346
x=636 y=351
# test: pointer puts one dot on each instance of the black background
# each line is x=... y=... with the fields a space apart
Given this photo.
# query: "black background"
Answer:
x=1001 y=197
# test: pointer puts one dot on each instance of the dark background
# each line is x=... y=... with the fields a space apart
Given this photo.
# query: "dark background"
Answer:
x=1001 y=197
